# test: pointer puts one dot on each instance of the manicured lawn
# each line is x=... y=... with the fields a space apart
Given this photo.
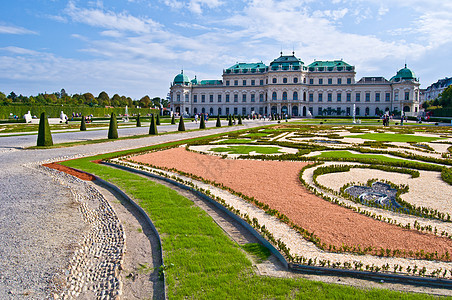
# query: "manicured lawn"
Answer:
x=256 y=135
x=236 y=141
x=388 y=137
x=348 y=154
x=203 y=263
x=247 y=149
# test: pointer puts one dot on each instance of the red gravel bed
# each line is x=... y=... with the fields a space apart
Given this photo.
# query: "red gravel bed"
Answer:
x=70 y=171
x=276 y=183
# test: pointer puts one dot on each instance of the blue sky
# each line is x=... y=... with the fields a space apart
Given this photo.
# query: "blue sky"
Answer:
x=136 y=47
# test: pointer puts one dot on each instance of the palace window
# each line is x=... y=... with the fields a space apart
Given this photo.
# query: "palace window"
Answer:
x=274 y=96
x=311 y=81
x=320 y=80
x=349 y=97
x=349 y=81
x=244 y=98
x=219 y=98
x=195 y=98
x=295 y=80
x=339 y=97
x=330 y=80
x=284 y=95
x=311 y=97
x=407 y=95
x=253 y=82
x=377 y=97
x=261 y=82
x=284 y=80
x=253 y=98
x=320 y=97
x=388 y=97
x=367 y=97
x=236 y=82
x=244 y=82
x=227 y=82
x=274 y=80
x=211 y=98
x=261 y=97
x=203 y=98
x=227 y=97
x=295 y=96
x=236 y=98
x=330 y=97
x=339 y=81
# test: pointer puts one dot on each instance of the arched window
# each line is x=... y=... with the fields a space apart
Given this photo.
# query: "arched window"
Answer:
x=367 y=111
x=274 y=80
x=295 y=80
x=284 y=80
x=274 y=96
x=295 y=95
x=284 y=95
x=377 y=111
x=357 y=111
x=211 y=111
x=195 y=110
x=203 y=110
x=219 y=111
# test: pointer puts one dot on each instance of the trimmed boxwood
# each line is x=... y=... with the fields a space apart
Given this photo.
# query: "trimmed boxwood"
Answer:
x=44 y=135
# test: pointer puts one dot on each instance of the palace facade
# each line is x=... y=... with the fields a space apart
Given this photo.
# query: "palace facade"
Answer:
x=288 y=86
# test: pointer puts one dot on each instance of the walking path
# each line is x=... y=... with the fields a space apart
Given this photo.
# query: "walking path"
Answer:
x=40 y=222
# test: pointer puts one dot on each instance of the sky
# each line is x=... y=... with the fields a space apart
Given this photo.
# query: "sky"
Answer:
x=136 y=47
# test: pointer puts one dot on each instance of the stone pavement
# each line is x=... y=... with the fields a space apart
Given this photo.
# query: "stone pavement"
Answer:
x=40 y=222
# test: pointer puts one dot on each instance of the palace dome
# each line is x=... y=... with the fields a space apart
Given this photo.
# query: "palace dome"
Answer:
x=404 y=74
x=181 y=78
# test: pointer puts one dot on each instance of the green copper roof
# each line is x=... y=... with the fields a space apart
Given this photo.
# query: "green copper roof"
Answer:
x=211 y=82
x=181 y=78
x=194 y=80
x=404 y=74
x=238 y=66
x=286 y=62
x=329 y=63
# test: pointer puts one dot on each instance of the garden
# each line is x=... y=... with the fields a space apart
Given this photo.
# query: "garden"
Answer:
x=343 y=197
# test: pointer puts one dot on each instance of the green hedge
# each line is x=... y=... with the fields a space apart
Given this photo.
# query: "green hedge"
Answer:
x=53 y=111
x=442 y=112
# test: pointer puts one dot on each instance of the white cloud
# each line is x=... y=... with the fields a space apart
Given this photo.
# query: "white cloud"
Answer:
x=110 y=20
x=15 y=30
x=195 y=6
x=21 y=51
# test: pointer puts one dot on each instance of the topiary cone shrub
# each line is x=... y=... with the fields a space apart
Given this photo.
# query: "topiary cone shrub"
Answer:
x=240 y=120
x=83 y=124
x=113 y=129
x=153 y=126
x=173 y=121
x=44 y=135
x=218 y=121
x=202 y=124
x=138 y=121
x=157 y=122
x=230 y=121
x=181 y=124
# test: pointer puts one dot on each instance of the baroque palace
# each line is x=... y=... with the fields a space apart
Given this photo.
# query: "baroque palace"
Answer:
x=288 y=86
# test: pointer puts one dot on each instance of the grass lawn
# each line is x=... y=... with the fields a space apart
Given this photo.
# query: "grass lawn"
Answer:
x=389 y=137
x=348 y=154
x=236 y=141
x=256 y=135
x=247 y=149
x=203 y=263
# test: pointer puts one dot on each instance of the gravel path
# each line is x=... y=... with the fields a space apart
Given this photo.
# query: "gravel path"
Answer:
x=40 y=225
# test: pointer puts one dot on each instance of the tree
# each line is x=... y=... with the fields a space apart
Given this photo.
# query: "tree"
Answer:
x=181 y=124
x=202 y=124
x=218 y=121
x=138 y=121
x=113 y=128
x=89 y=99
x=157 y=121
x=12 y=96
x=63 y=93
x=230 y=121
x=445 y=98
x=44 y=135
x=153 y=126
x=103 y=99
x=145 y=102
x=173 y=121
x=240 y=120
x=83 y=124
x=116 y=100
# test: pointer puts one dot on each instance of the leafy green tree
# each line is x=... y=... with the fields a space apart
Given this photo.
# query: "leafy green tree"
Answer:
x=44 y=135
x=181 y=124
x=116 y=100
x=153 y=126
x=113 y=128
x=145 y=102
x=83 y=124
x=202 y=124
x=89 y=99
x=12 y=96
x=445 y=98
x=103 y=99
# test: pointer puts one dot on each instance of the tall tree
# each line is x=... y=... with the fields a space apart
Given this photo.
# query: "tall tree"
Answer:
x=153 y=126
x=103 y=99
x=145 y=102
x=181 y=124
x=116 y=100
x=113 y=128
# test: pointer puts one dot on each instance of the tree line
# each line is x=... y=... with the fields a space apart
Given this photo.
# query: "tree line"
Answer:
x=86 y=99
x=444 y=100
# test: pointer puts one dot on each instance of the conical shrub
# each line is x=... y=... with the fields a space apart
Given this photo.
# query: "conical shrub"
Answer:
x=202 y=124
x=157 y=119
x=153 y=127
x=218 y=121
x=173 y=120
x=113 y=129
x=181 y=124
x=44 y=135
x=83 y=124
x=138 y=121
x=240 y=120
x=230 y=121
